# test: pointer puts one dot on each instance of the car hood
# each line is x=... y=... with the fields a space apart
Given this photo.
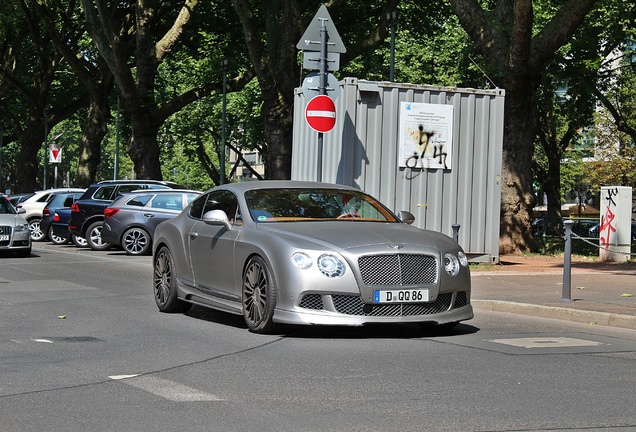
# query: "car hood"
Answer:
x=347 y=235
x=12 y=220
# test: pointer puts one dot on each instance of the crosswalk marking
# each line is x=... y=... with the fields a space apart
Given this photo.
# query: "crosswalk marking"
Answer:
x=166 y=389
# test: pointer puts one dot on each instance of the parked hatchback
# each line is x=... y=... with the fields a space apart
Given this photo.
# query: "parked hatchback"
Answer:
x=31 y=209
x=56 y=201
x=87 y=213
x=130 y=221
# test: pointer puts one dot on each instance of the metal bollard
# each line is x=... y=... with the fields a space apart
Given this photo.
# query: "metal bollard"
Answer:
x=566 y=294
x=456 y=232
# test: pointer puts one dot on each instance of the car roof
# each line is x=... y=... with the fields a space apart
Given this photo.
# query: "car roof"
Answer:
x=159 y=191
x=118 y=182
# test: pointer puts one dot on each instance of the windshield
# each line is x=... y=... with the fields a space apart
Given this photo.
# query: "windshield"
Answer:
x=293 y=205
x=6 y=207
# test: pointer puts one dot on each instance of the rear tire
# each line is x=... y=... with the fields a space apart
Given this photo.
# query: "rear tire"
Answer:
x=79 y=241
x=94 y=237
x=135 y=241
x=56 y=239
x=36 y=232
x=165 y=284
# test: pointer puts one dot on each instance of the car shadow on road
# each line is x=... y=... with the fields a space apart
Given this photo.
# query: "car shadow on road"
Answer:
x=369 y=331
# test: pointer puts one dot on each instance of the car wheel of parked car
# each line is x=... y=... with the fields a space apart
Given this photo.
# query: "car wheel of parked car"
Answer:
x=79 y=241
x=94 y=237
x=165 y=284
x=36 y=232
x=56 y=239
x=259 y=296
x=135 y=241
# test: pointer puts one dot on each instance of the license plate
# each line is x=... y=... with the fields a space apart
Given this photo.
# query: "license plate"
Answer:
x=400 y=296
x=4 y=238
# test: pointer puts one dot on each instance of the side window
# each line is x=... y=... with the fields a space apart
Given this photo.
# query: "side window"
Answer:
x=189 y=198
x=170 y=201
x=196 y=209
x=128 y=188
x=104 y=193
x=139 y=201
x=223 y=200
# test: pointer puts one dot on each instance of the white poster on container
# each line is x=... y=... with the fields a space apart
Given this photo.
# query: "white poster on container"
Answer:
x=426 y=135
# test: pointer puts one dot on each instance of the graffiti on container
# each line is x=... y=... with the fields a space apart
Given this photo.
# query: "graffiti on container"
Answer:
x=429 y=149
x=607 y=220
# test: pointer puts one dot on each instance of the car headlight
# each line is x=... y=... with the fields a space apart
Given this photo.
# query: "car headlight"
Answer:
x=22 y=227
x=451 y=264
x=331 y=266
x=301 y=260
x=463 y=259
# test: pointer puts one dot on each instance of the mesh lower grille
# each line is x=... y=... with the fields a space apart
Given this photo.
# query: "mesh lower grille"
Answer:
x=398 y=269
x=461 y=299
x=312 y=301
x=352 y=305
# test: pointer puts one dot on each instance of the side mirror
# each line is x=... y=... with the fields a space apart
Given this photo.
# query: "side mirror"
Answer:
x=21 y=210
x=217 y=217
x=406 y=217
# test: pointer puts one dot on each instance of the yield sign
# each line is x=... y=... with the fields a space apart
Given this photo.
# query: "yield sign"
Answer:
x=321 y=113
x=55 y=154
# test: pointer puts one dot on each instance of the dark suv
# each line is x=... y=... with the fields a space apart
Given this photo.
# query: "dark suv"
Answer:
x=87 y=213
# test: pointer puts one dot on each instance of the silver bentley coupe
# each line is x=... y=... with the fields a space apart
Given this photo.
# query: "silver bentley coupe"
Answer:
x=290 y=252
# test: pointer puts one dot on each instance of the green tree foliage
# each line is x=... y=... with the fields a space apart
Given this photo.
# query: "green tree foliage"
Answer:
x=516 y=47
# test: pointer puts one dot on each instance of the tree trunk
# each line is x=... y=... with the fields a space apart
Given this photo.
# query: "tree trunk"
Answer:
x=143 y=148
x=517 y=199
x=30 y=143
x=94 y=130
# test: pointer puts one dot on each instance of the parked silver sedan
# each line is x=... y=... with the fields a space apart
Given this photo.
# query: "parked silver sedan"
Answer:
x=130 y=221
x=15 y=234
x=285 y=252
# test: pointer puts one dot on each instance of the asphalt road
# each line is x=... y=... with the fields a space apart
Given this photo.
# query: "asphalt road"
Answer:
x=84 y=348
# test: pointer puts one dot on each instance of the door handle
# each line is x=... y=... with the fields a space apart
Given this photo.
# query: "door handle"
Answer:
x=149 y=215
x=193 y=235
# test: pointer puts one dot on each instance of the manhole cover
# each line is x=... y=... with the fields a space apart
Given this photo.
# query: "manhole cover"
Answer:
x=542 y=342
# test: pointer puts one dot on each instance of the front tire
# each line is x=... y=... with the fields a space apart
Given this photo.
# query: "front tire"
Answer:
x=136 y=241
x=94 y=237
x=56 y=239
x=165 y=284
x=259 y=296
x=36 y=231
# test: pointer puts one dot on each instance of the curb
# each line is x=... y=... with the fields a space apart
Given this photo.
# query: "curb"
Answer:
x=564 y=314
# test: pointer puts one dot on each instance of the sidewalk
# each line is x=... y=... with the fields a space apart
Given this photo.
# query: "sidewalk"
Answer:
x=601 y=293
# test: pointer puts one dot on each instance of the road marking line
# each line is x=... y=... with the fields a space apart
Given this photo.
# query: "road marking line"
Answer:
x=166 y=389
x=42 y=340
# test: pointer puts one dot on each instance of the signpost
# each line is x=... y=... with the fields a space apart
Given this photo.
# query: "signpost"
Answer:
x=321 y=111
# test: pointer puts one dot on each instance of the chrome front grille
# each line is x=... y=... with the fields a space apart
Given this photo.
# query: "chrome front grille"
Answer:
x=5 y=230
x=398 y=269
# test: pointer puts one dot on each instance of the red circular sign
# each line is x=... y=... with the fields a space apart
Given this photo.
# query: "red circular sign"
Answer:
x=321 y=113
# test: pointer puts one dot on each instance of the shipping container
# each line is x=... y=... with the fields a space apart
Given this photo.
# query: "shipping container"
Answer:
x=433 y=151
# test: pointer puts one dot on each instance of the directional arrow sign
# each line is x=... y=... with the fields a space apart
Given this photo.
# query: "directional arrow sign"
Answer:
x=321 y=113
x=311 y=38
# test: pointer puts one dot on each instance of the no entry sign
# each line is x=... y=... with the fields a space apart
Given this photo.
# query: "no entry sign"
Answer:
x=321 y=113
